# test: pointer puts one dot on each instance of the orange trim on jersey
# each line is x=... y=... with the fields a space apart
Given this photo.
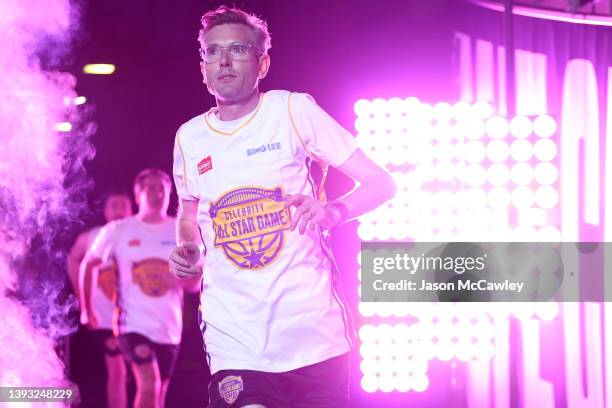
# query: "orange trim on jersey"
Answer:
x=239 y=127
x=178 y=142
x=324 y=167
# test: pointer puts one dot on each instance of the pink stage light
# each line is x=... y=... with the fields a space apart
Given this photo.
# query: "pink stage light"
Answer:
x=420 y=383
x=498 y=151
x=544 y=126
x=475 y=152
x=442 y=112
x=523 y=310
x=475 y=175
x=445 y=350
x=547 y=310
x=532 y=216
x=521 y=150
x=361 y=107
x=411 y=105
x=369 y=383
x=524 y=233
x=546 y=173
x=425 y=112
x=485 y=350
x=497 y=127
x=545 y=150
x=498 y=174
x=522 y=197
x=461 y=111
x=546 y=197
x=483 y=109
x=472 y=128
x=521 y=174
x=494 y=158
x=521 y=127
x=549 y=233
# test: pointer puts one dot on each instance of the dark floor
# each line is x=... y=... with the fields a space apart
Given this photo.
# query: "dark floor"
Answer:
x=189 y=384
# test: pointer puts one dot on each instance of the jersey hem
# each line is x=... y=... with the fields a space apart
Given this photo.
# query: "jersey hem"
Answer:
x=277 y=368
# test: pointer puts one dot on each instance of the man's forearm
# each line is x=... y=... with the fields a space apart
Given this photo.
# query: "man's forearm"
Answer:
x=369 y=195
x=187 y=231
x=87 y=278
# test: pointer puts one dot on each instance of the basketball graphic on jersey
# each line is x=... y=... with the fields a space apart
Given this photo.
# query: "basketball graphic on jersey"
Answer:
x=107 y=280
x=151 y=275
x=249 y=225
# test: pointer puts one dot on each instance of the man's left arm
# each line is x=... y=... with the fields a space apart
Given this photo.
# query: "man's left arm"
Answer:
x=374 y=187
x=330 y=143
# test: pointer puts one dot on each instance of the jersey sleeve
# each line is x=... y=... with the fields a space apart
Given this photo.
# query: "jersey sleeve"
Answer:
x=320 y=134
x=184 y=179
x=104 y=242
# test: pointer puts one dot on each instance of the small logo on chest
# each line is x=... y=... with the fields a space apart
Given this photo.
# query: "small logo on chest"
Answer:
x=205 y=165
x=268 y=147
x=134 y=242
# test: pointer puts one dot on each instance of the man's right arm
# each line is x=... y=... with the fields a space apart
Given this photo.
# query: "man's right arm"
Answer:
x=185 y=258
x=77 y=252
x=87 y=276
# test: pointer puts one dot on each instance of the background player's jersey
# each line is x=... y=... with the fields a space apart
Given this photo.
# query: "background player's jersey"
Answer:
x=105 y=289
x=149 y=299
x=269 y=299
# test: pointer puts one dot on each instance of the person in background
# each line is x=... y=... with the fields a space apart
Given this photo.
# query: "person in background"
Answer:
x=148 y=305
x=116 y=206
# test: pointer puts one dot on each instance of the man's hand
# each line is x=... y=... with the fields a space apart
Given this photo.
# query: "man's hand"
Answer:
x=310 y=212
x=93 y=321
x=184 y=261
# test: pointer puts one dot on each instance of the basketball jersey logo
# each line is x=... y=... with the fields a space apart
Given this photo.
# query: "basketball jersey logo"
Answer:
x=249 y=225
x=151 y=275
x=107 y=281
x=230 y=387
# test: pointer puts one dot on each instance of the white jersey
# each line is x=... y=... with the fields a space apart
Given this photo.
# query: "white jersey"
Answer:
x=105 y=289
x=269 y=299
x=149 y=299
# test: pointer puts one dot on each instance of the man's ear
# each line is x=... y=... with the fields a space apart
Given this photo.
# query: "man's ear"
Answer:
x=264 y=66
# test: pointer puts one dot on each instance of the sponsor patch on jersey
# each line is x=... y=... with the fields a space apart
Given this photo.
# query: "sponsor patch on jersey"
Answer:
x=107 y=281
x=205 y=165
x=268 y=147
x=230 y=388
x=250 y=224
x=134 y=242
x=151 y=275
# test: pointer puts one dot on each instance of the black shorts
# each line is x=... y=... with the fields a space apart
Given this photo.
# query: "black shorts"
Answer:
x=106 y=341
x=321 y=385
x=164 y=354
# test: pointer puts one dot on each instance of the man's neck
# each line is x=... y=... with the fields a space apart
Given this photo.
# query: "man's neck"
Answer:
x=152 y=217
x=237 y=109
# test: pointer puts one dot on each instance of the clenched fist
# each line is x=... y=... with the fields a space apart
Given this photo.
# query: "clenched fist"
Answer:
x=184 y=261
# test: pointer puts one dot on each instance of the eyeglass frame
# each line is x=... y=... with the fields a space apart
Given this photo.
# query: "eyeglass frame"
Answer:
x=258 y=52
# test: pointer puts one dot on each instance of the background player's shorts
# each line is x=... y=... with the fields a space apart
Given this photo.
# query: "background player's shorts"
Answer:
x=106 y=341
x=321 y=385
x=139 y=349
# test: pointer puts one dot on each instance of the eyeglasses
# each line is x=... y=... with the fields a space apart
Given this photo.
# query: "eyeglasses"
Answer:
x=236 y=51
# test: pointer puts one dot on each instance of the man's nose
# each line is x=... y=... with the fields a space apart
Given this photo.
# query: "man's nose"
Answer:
x=225 y=59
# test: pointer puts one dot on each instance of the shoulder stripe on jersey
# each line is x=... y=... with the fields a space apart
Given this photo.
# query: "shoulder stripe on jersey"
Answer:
x=324 y=166
x=178 y=142
x=347 y=318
